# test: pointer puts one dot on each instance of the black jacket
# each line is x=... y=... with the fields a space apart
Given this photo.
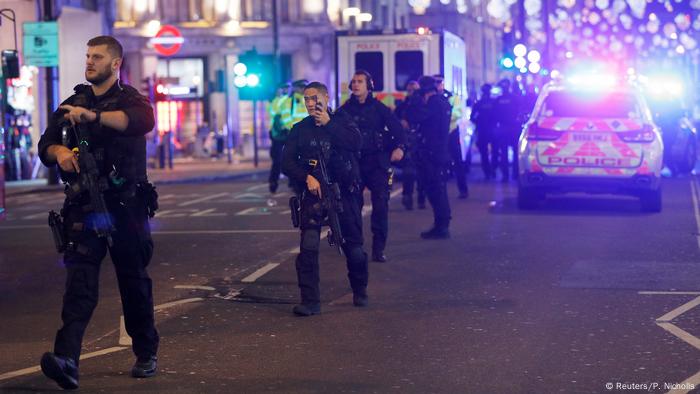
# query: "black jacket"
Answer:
x=433 y=121
x=484 y=115
x=340 y=137
x=125 y=150
x=381 y=130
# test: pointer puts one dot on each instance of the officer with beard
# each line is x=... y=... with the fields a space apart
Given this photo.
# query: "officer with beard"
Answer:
x=117 y=118
x=336 y=137
x=382 y=144
x=432 y=114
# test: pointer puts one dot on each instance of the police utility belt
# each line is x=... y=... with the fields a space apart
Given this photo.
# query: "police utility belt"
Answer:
x=128 y=195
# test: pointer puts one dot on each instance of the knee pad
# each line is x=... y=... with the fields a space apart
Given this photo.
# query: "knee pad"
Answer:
x=310 y=239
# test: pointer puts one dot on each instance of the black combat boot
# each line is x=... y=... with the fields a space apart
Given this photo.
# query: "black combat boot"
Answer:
x=61 y=369
x=360 y=299
x=437 y=232
x=144 y=367
x=307 y=309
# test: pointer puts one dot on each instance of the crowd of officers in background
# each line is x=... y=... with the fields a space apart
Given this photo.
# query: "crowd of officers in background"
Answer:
x=421 y=137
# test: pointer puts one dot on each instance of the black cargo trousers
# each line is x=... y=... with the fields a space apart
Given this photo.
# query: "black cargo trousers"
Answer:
x=131 y=252
x=432 y=171
x=375 y=172
x=312 y=217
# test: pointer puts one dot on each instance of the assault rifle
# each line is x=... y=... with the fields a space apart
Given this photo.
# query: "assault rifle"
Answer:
x=89 y=180
x=332 y=202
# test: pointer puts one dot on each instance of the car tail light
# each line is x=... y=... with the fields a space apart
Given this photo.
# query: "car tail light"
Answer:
x=646 y=134
x=537 y=133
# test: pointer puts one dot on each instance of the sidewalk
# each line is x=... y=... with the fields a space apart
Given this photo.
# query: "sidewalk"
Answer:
x=185 y=170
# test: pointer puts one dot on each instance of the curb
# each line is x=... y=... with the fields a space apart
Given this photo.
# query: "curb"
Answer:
x=253 y=174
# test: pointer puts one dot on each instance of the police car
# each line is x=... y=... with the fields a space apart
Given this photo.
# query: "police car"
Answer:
x=591 y=134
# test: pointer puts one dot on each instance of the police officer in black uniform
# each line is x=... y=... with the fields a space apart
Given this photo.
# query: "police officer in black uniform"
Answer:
x=483 y=116
x=409 y=178
x=382 y=143
x=335 y=136
x=509 y=127
x=118 y=118
x=433 y=116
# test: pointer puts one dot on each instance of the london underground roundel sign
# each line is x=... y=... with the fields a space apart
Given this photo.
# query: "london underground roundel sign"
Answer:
x=168 y=40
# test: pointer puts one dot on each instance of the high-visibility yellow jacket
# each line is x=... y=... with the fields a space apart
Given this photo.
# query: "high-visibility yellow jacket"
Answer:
x=457 y=110
x=293 y=110
x=275 y=108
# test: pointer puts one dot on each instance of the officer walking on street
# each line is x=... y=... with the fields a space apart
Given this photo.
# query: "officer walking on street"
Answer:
x=509 y=125
x=110 y=121
x=484 y=118
x=382 y=144
x=433 y=116
x=454 y=145
x=409 y=178
x=278 y=134
x=335 y=138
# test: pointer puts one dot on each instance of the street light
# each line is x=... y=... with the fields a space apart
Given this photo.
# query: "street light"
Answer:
x=364 y=17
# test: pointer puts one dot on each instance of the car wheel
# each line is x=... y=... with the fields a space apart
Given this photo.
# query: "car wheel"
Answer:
x=528 y=198
x=686 y=163
x=651 y=200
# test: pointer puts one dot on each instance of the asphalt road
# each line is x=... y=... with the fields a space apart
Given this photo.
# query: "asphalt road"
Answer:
x=582 y=293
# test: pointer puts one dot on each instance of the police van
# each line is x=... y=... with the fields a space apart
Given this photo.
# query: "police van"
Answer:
x=395 y=59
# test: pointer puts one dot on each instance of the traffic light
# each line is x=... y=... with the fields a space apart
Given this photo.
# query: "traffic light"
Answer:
x=253 y=76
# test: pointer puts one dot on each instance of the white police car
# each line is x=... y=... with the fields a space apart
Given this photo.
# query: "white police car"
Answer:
x=591 y=134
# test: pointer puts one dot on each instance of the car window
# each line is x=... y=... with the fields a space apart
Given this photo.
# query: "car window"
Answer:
x=409 y=66
x=372 y=62
x=573 y=105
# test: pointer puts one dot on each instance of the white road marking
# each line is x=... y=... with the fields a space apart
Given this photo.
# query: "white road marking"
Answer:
x=31 y=370
x=260 y=272
x=124 y=338
x=208 y=212
x=693 y=381
x=202 y=199
x=679 y=311
x=254 y=211
x=680 y=333
x=31 y=226
x=695 y=192
x=669 y=292
x=167 y=305
x=195 y=287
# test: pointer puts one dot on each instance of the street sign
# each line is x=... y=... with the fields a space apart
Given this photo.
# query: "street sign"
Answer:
x=40 y=43
x=168 y=40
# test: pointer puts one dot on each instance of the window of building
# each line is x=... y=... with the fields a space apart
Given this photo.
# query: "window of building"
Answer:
x=409 y=67
x=373 y=62
x=183 y=72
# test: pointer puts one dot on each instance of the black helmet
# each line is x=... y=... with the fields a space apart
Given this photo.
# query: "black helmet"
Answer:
x=486 y=88
x=504 y=84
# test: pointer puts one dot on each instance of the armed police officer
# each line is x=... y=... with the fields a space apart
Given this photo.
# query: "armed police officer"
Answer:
x=382 y=143
x=409 y=179
x=509 y=126
x=97 y=138
x=484 y=118
x=454 y=145
x=432 y=114
x=326 y=144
